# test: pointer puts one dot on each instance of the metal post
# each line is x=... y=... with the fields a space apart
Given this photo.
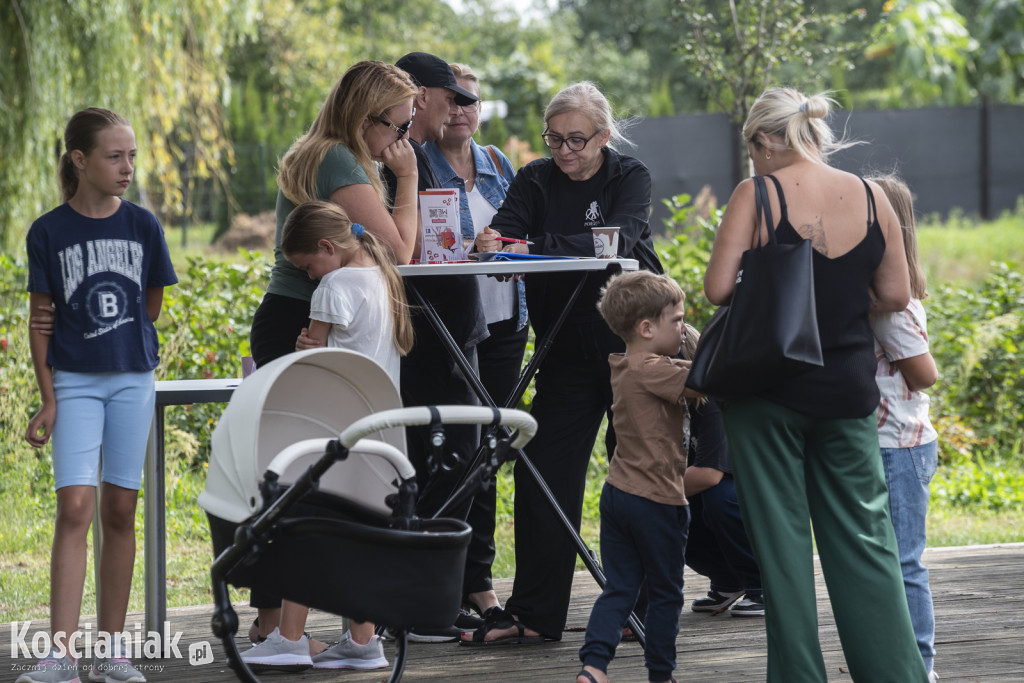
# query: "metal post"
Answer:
x=155 y=527
x=984 y=159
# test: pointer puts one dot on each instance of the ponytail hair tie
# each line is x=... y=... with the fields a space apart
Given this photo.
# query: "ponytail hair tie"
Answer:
x=803 y=108
x=358 y=230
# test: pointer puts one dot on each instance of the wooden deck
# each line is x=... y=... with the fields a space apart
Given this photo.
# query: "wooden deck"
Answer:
x=979 y=609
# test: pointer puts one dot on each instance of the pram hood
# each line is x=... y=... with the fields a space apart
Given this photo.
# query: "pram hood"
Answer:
x=309 y=397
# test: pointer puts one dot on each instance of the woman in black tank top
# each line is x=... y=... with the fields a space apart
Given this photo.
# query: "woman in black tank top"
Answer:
x=805 y=452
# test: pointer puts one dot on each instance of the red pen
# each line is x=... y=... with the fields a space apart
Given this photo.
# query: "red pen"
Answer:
x=513 y=241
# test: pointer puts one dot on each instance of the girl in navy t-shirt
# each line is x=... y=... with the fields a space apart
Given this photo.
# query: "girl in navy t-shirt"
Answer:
x=101 y=262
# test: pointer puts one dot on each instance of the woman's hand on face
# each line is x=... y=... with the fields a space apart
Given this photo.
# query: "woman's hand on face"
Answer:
x=400 y=157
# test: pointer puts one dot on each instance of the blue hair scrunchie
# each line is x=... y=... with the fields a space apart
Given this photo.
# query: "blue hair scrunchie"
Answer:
x=358 y=230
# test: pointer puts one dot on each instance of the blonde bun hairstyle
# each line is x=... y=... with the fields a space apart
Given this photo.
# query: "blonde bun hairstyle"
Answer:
x=797 y=119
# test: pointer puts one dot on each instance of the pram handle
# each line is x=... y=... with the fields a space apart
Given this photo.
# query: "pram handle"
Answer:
x=366 y=447
x=524 y=423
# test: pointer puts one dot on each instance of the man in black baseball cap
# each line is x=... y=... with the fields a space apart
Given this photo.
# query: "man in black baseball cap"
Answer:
x=429 y=375
x=430 y=71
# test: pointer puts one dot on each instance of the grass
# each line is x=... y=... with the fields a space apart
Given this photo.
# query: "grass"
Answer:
x=957 y=250
x=960 y=250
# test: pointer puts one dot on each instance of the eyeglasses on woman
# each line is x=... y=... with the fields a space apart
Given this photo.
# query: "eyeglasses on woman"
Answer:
x=574 y=142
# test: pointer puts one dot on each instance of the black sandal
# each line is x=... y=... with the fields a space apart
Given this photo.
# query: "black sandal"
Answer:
x=587 y=675
x=496 y=618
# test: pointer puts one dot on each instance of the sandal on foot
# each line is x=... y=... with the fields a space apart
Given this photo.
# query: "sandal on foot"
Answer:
x=496 y=618
x=587 y=675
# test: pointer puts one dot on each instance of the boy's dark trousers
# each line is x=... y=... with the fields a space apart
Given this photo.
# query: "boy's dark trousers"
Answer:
x=640 y=540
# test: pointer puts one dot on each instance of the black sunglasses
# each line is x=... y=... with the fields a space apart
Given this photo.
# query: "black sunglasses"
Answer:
x=402 y=129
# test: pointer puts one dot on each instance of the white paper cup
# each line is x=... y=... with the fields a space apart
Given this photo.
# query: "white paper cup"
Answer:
x=606 y=242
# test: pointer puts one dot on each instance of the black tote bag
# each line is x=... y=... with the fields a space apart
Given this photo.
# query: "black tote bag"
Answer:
x=769 y=330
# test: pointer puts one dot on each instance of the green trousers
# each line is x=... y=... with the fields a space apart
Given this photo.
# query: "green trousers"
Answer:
x=792 y=472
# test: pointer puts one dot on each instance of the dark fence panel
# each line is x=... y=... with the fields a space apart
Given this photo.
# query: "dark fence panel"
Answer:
x=1006 y=157
x=967 y=158
x=936 y=151
x=683 y=154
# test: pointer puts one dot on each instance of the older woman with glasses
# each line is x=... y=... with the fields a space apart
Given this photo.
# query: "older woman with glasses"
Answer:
x=554 y=203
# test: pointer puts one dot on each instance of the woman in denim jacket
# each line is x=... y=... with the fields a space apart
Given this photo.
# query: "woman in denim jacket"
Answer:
x=482 y=176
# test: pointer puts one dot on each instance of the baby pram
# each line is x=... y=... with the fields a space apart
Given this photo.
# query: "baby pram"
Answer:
x=308 y=474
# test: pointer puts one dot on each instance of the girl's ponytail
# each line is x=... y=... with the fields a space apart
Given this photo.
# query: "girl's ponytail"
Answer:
x=68 y=176
x=382 y=256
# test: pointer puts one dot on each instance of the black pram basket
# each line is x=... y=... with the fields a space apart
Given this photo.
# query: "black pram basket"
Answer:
x=311 y=498
x=402 y=578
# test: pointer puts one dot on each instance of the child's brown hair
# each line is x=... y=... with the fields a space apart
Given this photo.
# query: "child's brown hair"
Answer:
x=902 y=201
x=629 y=298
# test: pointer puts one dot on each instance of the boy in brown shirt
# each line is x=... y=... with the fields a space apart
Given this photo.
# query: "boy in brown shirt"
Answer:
x=644 y=513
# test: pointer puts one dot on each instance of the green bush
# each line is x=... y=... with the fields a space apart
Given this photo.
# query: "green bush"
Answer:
x=686 y=249
x=976 y=334
x=204 y=333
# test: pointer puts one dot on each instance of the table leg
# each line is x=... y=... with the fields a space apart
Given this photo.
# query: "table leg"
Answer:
x=585 y=553
x=155 y=540
x=453 y=349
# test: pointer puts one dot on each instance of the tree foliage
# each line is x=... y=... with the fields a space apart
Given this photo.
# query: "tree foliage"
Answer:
x=743 y=51
x=744 y=47
x=930 y=47
x=642 y=36
x=217 y=89
x=160 y=63
x=999 y=29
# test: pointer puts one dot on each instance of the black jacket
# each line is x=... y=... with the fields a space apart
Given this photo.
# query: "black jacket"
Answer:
x=624 y=200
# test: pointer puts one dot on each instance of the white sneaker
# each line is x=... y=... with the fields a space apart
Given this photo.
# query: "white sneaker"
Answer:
x=933 y=677
x=348 y=654
x=115 y=670
x=279 y=653
x=52 y=669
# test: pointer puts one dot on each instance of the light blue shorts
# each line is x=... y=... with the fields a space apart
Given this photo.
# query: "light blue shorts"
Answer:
x=108 y=410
